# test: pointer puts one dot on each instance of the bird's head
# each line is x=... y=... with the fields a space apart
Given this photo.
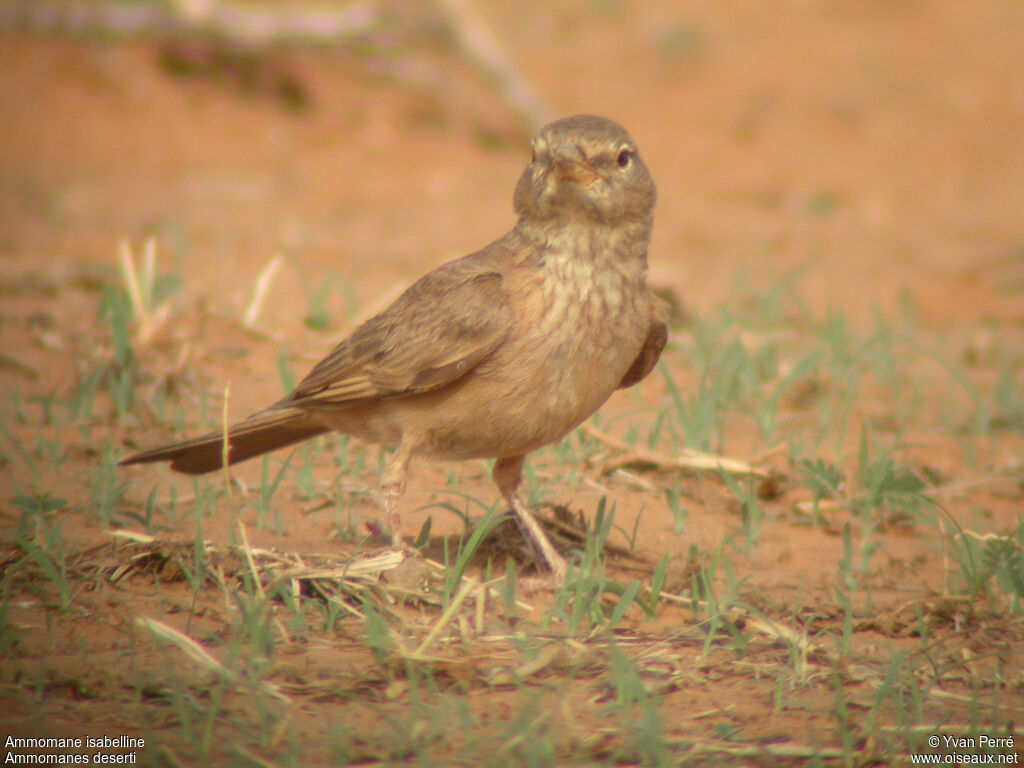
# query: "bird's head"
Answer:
x=585 y=168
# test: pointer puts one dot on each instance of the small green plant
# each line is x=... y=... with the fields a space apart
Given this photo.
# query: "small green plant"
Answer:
x=845 y=639
x=526 y=738
x=308 y=453
x=897 y=692
x=120 y=373
x=887 y=483
x=1007 y=407
x=750 y=509
x=19 y=449
x=673 y=497
x=198 y=571
x=252 y=633
x=711 y=607
x=318 y=318
x=698 y=413
x=823 y=479
x=579 y=601
x=636 y=710
x=147 y=518
x=657 y=581
x=765 y=410
x=130 y=313
x=378 y=634
x=269 y=484
x=107 y=489
x=841 y=713
x=332 y=613
x=991 y=564
x=467 y=549
x=286 y=371
x=46 y=547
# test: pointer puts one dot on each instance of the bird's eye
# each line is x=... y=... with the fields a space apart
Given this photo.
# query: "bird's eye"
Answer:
x=625 y=158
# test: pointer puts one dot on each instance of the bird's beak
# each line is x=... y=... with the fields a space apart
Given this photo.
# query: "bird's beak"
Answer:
x=571 y=165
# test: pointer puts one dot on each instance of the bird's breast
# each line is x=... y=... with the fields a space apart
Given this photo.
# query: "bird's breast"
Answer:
x=578 y=328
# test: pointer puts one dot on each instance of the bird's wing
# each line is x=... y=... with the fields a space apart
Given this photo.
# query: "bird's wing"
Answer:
x=434 y=333
x=657 y=335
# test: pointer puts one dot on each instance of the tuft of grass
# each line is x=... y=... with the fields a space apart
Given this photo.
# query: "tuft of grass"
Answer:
x=120 y=373
x=466 y=551
x=750 y=508
x=108 y=489
x=268 y=487
x=45 y=546
x=674 y=500
x=579 y=602
x=991 y=564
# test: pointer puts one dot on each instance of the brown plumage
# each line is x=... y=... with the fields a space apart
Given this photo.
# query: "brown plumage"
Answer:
x=497 y=353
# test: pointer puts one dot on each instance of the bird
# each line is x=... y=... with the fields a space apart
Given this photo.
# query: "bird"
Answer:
x=495 y=354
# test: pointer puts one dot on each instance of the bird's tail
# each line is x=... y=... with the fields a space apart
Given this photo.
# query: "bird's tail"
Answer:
x=261 y=432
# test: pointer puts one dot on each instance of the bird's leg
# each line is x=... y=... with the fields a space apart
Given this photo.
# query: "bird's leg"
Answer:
x=507 y=474
x=392 y=486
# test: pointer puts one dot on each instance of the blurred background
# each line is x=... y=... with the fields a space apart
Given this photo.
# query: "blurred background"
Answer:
x=874 y=147
x=193 y=190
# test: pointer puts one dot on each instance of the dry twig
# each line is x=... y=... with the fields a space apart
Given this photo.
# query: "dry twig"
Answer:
x=687 y=459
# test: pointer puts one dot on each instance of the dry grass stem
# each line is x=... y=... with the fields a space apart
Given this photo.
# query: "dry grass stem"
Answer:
x=688 y=459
